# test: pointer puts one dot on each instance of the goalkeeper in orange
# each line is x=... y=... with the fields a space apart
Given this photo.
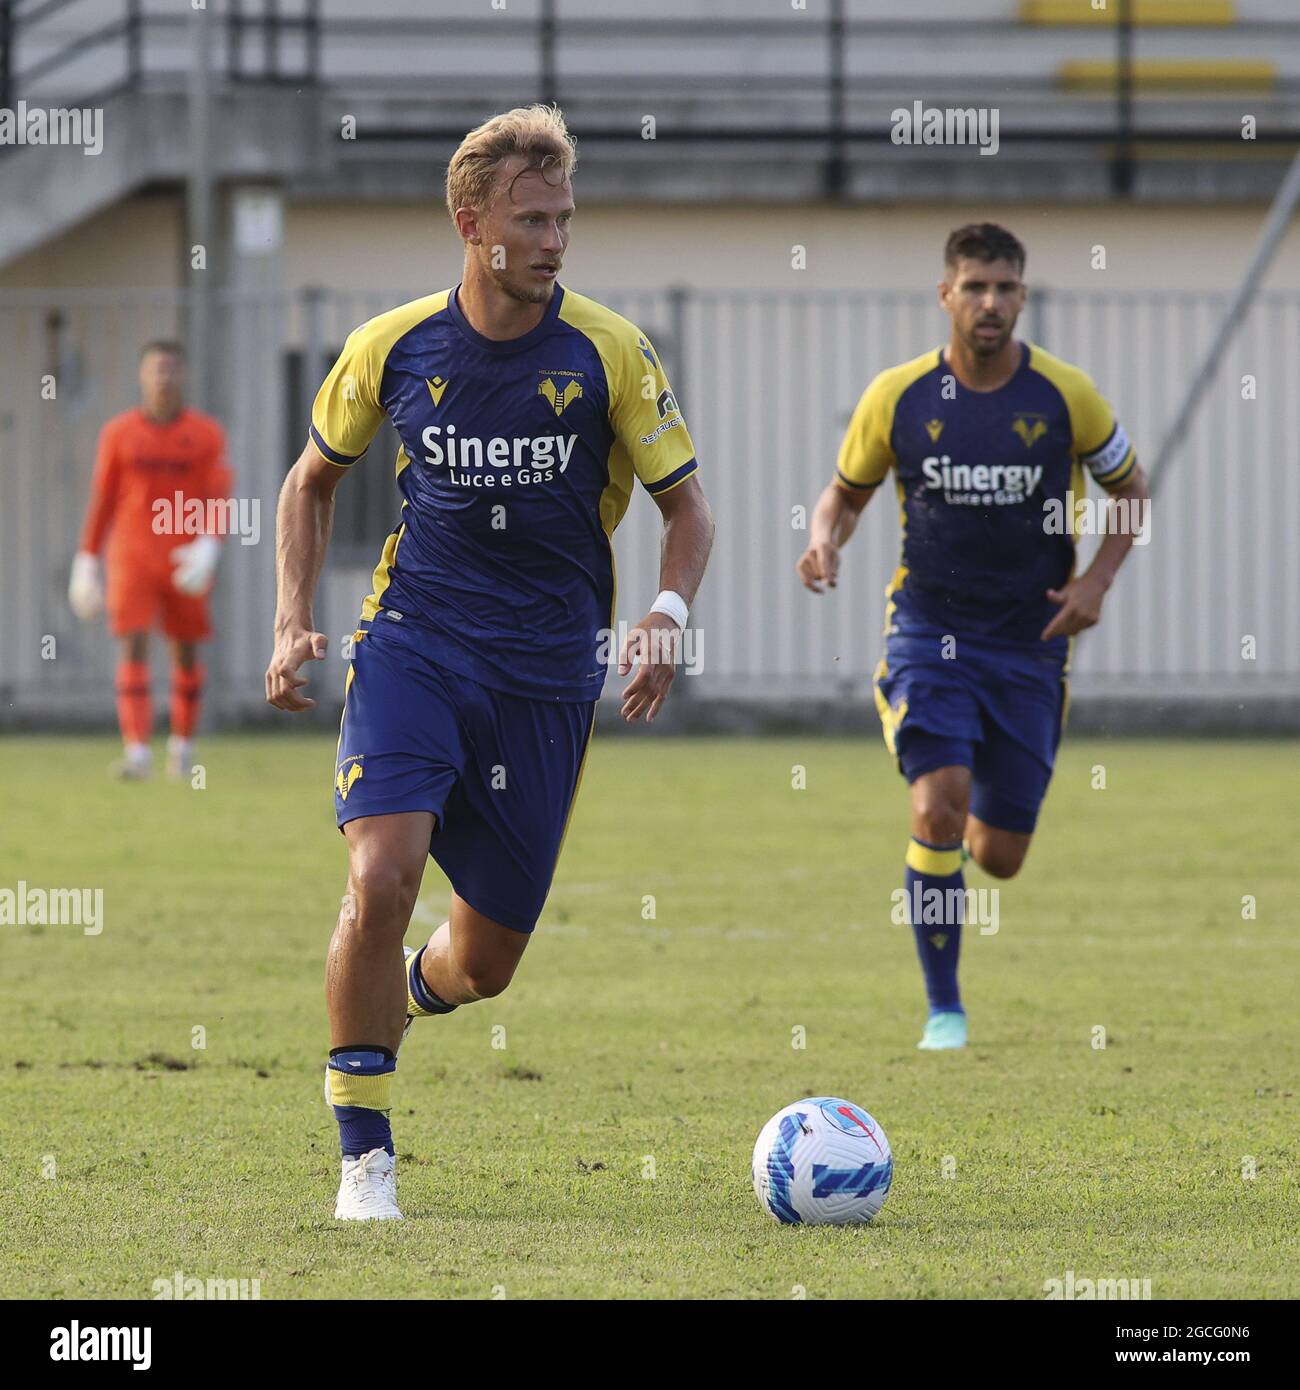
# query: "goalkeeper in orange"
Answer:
x=158 y=471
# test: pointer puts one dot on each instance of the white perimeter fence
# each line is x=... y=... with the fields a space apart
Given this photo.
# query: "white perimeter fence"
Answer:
x=767 y=381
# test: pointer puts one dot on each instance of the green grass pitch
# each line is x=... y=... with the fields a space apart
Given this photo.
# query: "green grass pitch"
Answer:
x=604 y=1150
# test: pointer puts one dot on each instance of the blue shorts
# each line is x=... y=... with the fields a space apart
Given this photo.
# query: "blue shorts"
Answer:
x=994 y=708
x=499 y=772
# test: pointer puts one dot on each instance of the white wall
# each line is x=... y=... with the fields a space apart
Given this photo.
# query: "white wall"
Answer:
x=139 y=244
x=750 y=248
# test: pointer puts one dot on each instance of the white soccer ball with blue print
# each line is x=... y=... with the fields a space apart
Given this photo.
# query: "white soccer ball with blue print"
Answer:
x=822 y=1162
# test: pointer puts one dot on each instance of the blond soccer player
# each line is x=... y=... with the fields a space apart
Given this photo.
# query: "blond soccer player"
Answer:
x=526 y=414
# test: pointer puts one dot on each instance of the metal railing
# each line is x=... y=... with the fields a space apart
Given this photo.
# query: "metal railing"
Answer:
x=825 y=79
x=256 y=35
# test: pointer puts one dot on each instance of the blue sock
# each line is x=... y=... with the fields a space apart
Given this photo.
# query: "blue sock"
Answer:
x=421 y=992
x=932 y=871
x=360 y=1084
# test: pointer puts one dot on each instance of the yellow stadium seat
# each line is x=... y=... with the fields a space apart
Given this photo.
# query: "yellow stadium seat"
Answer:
x=1148 y=12
x=1172 y=74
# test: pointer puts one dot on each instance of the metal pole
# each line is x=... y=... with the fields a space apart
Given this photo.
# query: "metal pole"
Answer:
x=198 y=194
x=1122 y=169
x=313 y=299
x=312 y=49
x=6 y=55
x=1038 y=300
x=1270 y=237
x=835 y=35
x=546 y=54
x=272 y=31
x=134 y=42
x=234 y=39
x=678 y=297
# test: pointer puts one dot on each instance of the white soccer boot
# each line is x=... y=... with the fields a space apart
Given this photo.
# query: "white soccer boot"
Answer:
x=368 y=1190
x=135 y=764
x=180 y=758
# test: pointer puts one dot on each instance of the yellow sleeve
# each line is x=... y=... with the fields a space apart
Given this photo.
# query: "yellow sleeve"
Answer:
x=347 y=412
x=866 y=455
x=1100 y=443
x=645 y=418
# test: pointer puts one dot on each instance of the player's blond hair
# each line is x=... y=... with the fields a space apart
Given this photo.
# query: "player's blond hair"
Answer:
x=538 y=133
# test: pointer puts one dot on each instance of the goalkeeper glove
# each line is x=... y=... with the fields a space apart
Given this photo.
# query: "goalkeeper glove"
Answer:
x=86 y=587
x=196 y=564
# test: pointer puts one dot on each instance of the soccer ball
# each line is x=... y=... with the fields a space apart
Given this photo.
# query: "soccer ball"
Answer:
x=822 y=1162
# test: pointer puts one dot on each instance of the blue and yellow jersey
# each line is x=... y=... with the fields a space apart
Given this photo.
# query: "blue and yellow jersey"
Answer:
x=517 y=462
x=975 y=471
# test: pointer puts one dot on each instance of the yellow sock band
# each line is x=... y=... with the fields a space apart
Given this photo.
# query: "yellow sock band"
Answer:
x=412 y=1005
x=940 y=863
x=368 y=1092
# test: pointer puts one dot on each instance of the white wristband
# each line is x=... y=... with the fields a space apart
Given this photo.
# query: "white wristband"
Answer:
x=672 y=605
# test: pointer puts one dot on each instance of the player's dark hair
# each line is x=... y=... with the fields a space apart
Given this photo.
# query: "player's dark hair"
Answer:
x=984 y=241
x=168 y=345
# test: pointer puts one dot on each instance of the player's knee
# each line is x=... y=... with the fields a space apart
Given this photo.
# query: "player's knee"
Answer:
x=385 y=894
x=486 y=981
x=938 y=819
x=999 y=861
x=999 y=866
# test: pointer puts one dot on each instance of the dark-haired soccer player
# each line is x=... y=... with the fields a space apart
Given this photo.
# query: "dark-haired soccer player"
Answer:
x=988 y=439
x=525 y=412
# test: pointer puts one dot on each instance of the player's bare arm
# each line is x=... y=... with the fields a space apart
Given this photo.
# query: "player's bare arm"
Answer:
x=834 y=520
x=687 y=541
x=303 y=521
x=1081 y=597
